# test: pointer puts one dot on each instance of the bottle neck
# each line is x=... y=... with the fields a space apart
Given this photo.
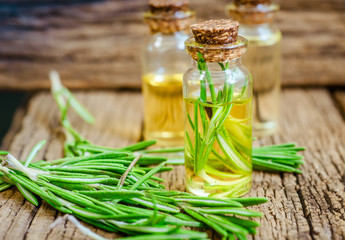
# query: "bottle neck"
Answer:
x=215 y=66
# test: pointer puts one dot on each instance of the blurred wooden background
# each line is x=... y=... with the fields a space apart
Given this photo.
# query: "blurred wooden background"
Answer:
x=96 y=44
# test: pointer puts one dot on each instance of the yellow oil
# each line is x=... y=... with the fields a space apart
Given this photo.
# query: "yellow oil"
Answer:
x=263 y=62
x=163 y=108
x=219 y=178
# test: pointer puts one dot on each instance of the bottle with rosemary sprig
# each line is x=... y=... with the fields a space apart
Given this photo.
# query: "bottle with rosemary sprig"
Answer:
x=217 y=91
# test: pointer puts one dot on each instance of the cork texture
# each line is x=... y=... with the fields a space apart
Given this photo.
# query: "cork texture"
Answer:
x=168 y=6
x=217 y=53
x=216 y=32
x=252 y=2
x=168 y=24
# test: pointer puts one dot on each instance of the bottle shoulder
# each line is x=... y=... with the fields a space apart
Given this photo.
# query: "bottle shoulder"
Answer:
x=166 y=41
x=238 y=75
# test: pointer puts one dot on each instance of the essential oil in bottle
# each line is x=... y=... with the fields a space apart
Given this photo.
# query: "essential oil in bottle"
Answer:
x=163 y=107
x=262 y=59
x=217 y=96
x=164 y=61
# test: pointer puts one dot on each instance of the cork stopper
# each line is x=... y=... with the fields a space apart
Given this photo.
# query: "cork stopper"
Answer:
x=253 y=11
x=168 y=16
x=252 y=2
x=216 y=40
x=253 y=14
x=216 y=32
x=168 y=6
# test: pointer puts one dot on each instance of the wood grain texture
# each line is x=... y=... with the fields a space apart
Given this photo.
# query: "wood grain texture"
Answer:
x=312 y=201
x=96 y=44
x=302 y=206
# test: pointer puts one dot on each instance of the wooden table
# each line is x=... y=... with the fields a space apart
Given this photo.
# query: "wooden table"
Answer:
x=94 y=45
x=302 y=206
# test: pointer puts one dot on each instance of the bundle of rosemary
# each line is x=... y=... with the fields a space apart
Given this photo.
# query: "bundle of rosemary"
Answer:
x=110 y=191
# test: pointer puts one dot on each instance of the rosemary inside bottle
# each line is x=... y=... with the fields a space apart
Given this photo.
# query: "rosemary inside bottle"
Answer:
x=218 y=137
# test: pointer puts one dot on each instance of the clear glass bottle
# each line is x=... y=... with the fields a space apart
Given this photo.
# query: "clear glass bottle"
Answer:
x=163 y=61
x=262 y=59
x=217 y=92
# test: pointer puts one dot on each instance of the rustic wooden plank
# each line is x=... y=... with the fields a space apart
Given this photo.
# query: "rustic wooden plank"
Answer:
x=295 y=4
x=97 y=44
x=313 y=199
x=336 y=5
x=303 y=206
x=311 y=54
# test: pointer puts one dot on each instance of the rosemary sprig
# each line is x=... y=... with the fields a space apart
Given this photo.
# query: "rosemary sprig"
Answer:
x=282 y=158
x=213 y=129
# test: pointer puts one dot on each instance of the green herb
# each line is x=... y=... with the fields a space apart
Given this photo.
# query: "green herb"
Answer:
x=282 y=158
x=33 y=152
x=129 y=209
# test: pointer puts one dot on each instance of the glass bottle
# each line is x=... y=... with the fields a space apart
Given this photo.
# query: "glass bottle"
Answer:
x=262 y=59
x=217 y=92
x=163 y=62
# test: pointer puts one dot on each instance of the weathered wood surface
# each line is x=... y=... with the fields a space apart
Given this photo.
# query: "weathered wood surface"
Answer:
x=96 y=44
x=302 y=206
